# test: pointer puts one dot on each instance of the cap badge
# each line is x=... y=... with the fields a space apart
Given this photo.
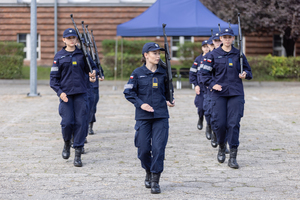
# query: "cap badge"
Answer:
x=156 y=45
x=217 y=34
x=226 y=30
x=70 y=31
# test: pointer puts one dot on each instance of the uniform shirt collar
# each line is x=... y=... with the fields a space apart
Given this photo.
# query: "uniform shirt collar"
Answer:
x=159 y=69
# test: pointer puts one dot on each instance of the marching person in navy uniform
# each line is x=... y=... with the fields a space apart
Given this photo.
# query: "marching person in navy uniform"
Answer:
x=199 y=87
x=210 y=44
x=95 y=96
x=146 y=89
x=216 y=40
x=213 y=42
x=69 y=78
x=221 y=74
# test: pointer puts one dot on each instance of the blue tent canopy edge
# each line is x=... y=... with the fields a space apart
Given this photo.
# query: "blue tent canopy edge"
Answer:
x=183 y=18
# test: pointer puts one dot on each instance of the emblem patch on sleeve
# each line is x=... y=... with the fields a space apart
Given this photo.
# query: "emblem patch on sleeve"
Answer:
x=154 y=82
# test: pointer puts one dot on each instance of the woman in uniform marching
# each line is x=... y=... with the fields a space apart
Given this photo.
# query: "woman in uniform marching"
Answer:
x=146 y=89
x=221 y=73
x=69 y=79
x=199 y=87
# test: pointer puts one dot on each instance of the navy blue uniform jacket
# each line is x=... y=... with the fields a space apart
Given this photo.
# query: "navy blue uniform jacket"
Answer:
x=68 y=72
x=223 y=68
x=198 y=64
x=148 y=87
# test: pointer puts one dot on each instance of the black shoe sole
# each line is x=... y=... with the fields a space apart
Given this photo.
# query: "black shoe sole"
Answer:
x=78 y=165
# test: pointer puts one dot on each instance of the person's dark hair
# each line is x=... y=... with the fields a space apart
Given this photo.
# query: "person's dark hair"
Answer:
x=143 y=60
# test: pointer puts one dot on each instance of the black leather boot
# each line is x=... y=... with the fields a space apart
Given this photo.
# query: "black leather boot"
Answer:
x=232 y=159
x=213 y=141
x=148 y=179
x=221 y=154
x=208 y=132
x=72 y=141
x=155 y=188
x=200 y=123
x=77 y=159
x=91 y=132
x=226 y=151
x=66 y=151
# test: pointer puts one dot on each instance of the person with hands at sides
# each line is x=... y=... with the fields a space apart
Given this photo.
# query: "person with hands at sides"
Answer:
x=221 y=73
x=199 y=87
x=69 y=77
x=146 y=89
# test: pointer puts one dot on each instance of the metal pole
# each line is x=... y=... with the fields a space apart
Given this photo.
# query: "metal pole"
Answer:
x=116 y=62
x=33 y=56
x=122 y=58
x=55 y=27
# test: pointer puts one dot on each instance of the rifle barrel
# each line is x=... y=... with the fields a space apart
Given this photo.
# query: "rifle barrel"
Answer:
x=168 y=66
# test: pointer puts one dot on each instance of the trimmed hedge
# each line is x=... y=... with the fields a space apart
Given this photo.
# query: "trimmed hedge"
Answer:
x=130 y=62
x=11 y=48
x=132 y=55
x=130 y=47
x=11 y=60
x=10 y=66
x=186 y=58
x=274 y=66
x=263 y=67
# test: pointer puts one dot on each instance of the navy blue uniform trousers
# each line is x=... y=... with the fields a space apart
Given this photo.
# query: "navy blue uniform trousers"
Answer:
x=227 y=112
x=199 y=104
x=90 y=104
x=152 y=153
x=207 y=106
x=92 y=117
x=74 y=118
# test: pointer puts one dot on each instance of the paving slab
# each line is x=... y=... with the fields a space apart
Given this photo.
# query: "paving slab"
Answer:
x=31 y=165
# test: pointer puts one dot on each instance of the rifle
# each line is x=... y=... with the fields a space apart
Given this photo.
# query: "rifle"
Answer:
x=229 y=23
x=87 y=43
x=82 y=45
x=219 y=28
x=212 y=32
x=168 y=66
x=240 y=43
x=97 y=56
x=88 y=35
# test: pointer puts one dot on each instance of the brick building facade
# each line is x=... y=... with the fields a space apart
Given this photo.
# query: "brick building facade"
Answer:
x=102 y=16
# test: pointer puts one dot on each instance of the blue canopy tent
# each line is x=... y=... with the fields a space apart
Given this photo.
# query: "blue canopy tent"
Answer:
x=183 y=18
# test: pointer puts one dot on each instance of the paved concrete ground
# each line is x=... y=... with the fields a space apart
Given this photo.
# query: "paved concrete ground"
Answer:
x=32 y=167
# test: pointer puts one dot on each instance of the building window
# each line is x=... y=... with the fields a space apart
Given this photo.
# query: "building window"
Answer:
x=278 y=49
x=25 y=39
x=176 y=42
